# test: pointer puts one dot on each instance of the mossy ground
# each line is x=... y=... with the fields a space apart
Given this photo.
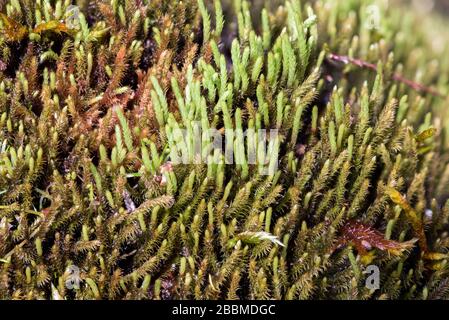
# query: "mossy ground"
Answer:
x=90 y=105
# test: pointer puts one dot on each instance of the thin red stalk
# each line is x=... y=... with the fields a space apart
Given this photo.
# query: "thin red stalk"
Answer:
x=396 y=76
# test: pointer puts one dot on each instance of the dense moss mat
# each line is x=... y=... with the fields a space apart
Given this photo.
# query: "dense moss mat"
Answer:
x=92 y=99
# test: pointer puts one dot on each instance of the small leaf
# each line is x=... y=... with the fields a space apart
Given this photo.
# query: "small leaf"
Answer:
x=13 y=30
x=411 y=214
x=435 y=256
x=54 y=26
x=364 y=238
x=426 y=134
x=397 y=198
x=255 y=238
x=366 y=259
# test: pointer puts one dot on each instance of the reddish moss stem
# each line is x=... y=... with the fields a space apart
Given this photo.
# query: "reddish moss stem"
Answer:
x=396 y=76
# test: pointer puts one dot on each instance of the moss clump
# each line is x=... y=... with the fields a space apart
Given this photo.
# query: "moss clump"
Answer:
x=93 y=101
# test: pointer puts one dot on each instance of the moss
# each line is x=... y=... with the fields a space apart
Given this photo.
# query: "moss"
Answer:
x=100 y=102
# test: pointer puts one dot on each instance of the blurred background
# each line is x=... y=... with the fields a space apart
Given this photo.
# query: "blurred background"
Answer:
x=426 y=6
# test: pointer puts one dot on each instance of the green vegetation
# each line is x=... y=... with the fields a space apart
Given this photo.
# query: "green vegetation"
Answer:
x=90 y=107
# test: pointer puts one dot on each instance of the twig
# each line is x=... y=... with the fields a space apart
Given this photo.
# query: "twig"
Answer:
x=396 y=76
